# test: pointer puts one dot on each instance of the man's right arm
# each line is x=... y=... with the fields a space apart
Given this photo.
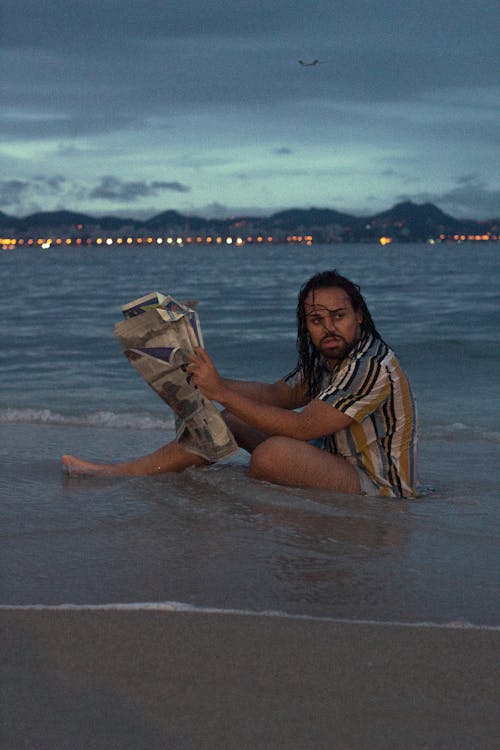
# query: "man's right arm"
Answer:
x=274 y=394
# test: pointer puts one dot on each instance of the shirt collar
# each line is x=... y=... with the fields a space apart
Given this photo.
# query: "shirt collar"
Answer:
x=361 y=346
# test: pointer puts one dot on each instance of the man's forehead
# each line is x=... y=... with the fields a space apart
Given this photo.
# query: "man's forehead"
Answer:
x=329 y=298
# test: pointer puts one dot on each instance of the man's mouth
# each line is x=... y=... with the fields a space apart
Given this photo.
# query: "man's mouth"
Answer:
x=331 y=340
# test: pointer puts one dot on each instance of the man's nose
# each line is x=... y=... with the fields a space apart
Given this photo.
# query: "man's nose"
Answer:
x=329 y=325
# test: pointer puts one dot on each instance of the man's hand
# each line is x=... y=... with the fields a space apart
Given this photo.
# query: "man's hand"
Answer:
x=204 y=374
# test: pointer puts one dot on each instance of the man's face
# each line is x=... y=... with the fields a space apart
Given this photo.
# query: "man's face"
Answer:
x=333 y=325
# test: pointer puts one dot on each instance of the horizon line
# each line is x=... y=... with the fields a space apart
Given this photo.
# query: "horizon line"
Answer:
x=260 y=213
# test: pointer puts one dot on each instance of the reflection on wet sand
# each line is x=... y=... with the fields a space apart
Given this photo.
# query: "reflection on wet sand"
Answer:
x=344 y=555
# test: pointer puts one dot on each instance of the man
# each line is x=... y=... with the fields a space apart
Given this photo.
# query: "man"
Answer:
x=343 y=420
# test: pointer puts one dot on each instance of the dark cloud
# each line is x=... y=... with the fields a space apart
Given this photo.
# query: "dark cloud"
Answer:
x=114 y=189
x=92 y=23
x=35 y=193
x=177 y=187
x=100 y=60
x=13 y=192
x=90 y=74
x=96 y=23
x=101 y=92
x=39 y=191
x=471 y=198
x=42 y=117
x=56 y=183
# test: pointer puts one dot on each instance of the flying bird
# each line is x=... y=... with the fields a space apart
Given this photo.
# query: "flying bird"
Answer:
x=308 y=64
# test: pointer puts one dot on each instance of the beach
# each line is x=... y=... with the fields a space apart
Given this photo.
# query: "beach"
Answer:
x=132 y=611
x=154 y=679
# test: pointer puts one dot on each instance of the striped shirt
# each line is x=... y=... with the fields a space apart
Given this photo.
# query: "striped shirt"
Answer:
x=370 y=386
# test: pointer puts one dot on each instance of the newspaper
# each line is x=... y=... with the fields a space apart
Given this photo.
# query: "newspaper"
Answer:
x=157 y=336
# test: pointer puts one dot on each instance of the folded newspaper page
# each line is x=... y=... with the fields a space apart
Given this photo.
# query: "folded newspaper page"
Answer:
x=157 y=336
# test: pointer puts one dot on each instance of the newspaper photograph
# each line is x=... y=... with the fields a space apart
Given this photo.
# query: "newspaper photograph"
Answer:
x=157 y=335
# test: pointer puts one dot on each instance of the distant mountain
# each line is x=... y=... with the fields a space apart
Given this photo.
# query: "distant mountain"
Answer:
x=419 y=222
x=9 y=223
x=416 y=221
x=311 y=217
x=408 y=211
x=110 y=223
x=174 y=219
x=62 y=221
x=59 y=218
x=405 y=221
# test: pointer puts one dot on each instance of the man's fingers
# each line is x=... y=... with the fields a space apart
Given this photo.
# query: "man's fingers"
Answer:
x=204 y=358
x=202 y=354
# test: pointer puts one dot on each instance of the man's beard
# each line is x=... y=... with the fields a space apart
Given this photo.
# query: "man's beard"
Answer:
x=338 y=352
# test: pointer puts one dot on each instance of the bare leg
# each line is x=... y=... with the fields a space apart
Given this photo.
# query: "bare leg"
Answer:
x=247 y=437
x=170 y=457
x=296 y=463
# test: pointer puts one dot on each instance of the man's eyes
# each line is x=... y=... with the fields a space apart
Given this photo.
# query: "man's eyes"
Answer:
x=333 y=316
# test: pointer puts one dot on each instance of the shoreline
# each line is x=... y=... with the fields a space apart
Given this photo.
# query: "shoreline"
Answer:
x=172 y=607
x=133 y=678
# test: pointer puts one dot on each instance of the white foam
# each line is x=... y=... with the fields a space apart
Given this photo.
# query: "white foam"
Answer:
x=186 y=607
x=96 y=419
x=460 y=431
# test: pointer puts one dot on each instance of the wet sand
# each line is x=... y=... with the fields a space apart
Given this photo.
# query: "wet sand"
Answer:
x=111 y=679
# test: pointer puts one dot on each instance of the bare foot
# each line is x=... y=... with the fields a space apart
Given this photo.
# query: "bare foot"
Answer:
x=73 y=465
x=171 y=457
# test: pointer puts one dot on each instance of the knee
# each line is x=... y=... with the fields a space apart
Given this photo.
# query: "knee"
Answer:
x=267 y=457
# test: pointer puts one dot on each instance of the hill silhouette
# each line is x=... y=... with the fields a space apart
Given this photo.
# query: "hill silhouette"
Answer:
x=406 y=221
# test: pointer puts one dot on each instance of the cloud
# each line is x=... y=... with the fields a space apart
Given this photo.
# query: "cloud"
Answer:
x=156 y=83
x=36 y=116
x=87 y=22
x=48 y=193
x=85 y=57
x=471 y=198
x=13 y=192
x=114 y=189
x=216 y=210
x=177 y=187
x=38 y=193
x=56 y=183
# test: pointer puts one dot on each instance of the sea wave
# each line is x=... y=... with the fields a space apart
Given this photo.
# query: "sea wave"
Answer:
x=455 y=431
x=458 y=431
x=104 y=419
x=176 y=606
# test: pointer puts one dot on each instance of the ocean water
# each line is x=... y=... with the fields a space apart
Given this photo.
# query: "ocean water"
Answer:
x=213 y=537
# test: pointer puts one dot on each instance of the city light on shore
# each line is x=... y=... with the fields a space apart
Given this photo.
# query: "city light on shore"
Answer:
x=47 y=243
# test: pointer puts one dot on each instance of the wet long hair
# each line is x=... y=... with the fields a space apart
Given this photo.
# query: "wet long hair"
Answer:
x=309 y=356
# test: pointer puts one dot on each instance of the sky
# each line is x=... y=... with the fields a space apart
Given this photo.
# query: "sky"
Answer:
x=133 y=107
